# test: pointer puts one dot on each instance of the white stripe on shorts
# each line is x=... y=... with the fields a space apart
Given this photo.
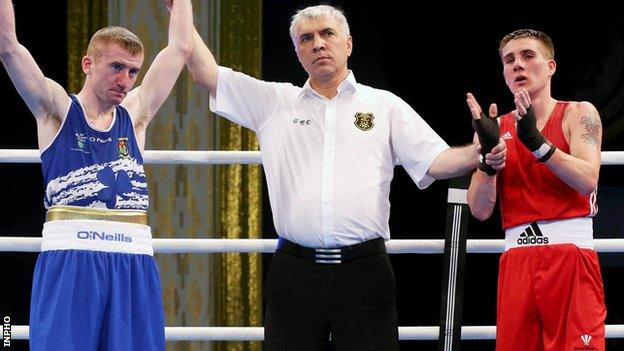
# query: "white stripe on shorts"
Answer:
x=97 y=235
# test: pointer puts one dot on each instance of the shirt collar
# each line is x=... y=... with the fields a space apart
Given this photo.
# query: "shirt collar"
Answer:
x=347 y=84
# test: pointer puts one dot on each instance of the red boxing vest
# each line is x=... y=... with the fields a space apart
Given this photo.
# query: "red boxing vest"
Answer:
x=528 y=190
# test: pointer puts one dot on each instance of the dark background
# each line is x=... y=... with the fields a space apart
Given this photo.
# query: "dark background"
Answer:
x=430 y=59
x=43 y=31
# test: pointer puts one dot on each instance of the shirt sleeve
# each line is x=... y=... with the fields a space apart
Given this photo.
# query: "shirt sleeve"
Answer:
x=415 y=144
x=243 y=99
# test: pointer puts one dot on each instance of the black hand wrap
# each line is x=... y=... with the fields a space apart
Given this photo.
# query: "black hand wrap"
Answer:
x=531 y=137
x=488 y=132
x=528 y=133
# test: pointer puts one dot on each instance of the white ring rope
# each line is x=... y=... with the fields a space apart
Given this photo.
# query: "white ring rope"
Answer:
x=172 y=157
x=213 y=157
x=402 y=246
x=20 y=332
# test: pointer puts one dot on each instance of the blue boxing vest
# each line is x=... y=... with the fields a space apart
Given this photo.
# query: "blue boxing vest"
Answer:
x=93 y=168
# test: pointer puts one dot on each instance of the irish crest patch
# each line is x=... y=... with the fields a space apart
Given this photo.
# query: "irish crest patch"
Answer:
x=122 y=148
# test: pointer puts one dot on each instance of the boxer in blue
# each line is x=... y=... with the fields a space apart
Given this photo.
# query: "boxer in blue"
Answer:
x=96 y=283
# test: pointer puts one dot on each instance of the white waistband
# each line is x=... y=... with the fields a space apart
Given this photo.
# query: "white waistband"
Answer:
x=577 y=231
x=97 y=235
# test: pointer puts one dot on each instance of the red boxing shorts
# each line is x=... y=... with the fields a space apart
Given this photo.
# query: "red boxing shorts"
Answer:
x=550 y=298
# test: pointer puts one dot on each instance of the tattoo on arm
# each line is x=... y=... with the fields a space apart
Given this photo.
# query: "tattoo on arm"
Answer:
x=592 y=129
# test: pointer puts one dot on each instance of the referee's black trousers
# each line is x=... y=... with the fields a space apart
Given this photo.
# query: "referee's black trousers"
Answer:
x=354 y=302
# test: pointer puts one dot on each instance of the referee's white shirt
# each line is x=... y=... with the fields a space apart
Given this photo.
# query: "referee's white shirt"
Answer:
x=328 y=180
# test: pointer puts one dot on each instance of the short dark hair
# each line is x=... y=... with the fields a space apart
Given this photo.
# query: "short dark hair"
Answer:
x=532 y=34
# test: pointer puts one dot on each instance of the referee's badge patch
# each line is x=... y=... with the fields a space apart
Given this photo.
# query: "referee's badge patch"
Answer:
x=364 y=121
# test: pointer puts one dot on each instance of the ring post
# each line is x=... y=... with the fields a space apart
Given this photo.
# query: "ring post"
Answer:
x=453 y=267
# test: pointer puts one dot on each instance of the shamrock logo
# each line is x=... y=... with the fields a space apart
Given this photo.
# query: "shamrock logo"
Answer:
x=115 y=183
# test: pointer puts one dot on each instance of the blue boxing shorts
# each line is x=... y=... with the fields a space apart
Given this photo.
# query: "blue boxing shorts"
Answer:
x=96 y=287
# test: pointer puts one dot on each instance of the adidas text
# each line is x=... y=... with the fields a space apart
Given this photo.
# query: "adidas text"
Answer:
x=533 y=241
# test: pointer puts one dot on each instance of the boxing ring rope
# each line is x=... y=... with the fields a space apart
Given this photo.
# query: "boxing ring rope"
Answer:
x=403 y=246
x=609 y=158
x=156 y=157
x=422 y=246
x=20 y=332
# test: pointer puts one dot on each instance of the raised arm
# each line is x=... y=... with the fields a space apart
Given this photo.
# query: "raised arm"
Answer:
x=45 y=98
x=461 y=160
x=144 y=101
x=202 y=65
x=482 y=189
